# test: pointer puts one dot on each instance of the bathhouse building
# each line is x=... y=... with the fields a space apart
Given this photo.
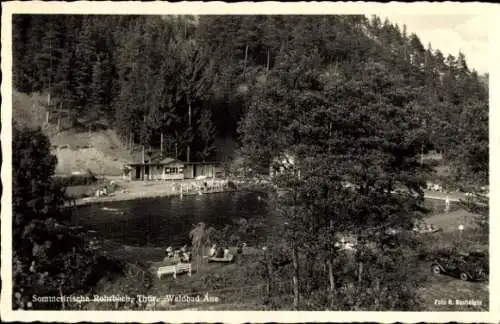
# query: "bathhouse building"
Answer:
x=168 y=169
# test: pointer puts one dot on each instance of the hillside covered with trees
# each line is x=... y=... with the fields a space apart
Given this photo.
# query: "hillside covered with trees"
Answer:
x=194 y=78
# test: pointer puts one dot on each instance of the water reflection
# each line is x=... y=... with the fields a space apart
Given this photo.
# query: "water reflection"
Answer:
x=166 y=221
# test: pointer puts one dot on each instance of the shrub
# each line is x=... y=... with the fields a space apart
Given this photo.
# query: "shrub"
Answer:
x=76 y=179
x=432 y=163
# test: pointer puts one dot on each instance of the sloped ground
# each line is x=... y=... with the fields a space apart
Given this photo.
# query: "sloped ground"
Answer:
x=100 y=151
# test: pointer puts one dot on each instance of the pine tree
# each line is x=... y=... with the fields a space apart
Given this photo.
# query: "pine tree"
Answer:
x=206 y=134
x=84 y=59
x=21 y=63
x=98 y=87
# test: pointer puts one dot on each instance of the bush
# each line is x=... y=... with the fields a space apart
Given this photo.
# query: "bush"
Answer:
x=432 y=163
x=75 y=180
x=231 y=185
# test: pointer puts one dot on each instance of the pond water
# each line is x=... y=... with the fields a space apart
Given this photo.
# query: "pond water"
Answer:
x=167 y=221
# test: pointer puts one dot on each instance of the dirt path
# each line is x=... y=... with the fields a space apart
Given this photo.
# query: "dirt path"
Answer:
x=453 y=196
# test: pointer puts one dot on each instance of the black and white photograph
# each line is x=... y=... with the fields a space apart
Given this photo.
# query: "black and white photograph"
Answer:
x=168 y=161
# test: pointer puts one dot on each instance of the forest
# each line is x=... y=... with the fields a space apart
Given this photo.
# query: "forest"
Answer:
x=192 y=78
x=354 y=98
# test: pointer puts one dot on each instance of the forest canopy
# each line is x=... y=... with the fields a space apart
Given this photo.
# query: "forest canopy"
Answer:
x=192 y=78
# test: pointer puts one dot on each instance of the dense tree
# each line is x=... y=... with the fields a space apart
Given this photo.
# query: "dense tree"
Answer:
x=47 y=259
x=144 y=73
x=330 y=133
x=206 y=133
x=201 y=237
x=84 y=59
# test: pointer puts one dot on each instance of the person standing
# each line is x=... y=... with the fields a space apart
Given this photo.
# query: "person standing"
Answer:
x=447 y=204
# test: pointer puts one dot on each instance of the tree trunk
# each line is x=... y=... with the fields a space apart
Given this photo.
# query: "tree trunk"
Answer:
x=189 y=113
x=62 y=297
x=360 y=271
x=267 y=67
x=37 y=112
x=47 y=116
x=161 y=145
x=295 y=279
x=422 y=155
x=310 y=271
x=143 y=160
x=59 y=119
x=188 y=152
x=269 y=275
x=245 y=63
x=331 y=278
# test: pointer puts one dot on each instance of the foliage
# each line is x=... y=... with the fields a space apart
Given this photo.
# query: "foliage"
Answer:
x=327 y=130
x=142 y=73
x=206 y=132
x=479 y=205
x=201 y=238
x=75 y=179
x=47 y=259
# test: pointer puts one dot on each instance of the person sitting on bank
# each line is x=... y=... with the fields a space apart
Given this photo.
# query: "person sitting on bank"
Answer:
x=240 y=248
x=226 y=252
x=177 y=254
x=169 y=252
x=213 y=250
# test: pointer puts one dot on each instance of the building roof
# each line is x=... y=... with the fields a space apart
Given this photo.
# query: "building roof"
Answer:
x=169 y=160
x=157 y=161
